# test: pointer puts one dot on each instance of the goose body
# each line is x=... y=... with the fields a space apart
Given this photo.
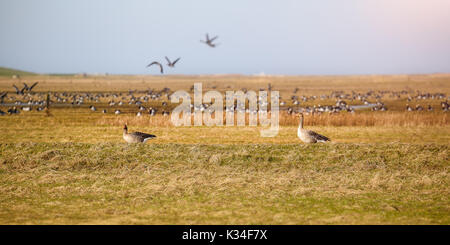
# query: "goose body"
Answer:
x=171 y=64
x=309 y=136
x=136 y=137
x=209 y=41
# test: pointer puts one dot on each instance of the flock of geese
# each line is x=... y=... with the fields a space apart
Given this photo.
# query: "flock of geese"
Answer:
x=305 y=135
x=208 y=41
x=25 y=99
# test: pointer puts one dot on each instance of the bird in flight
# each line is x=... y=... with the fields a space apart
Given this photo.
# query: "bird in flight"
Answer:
x=209 y=41
x=18 y=91
x=30 y=87
x=172 y=64
x=156 y=63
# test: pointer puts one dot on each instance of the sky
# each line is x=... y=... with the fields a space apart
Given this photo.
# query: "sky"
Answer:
x=298 y=37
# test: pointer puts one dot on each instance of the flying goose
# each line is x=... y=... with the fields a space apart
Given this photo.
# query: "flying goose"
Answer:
x=19 y=92
x=209 y=41
x=157 y=63
x=172 y=64
x=2 y=97
x=136 y=137
x=309 y=136
x=31 y=87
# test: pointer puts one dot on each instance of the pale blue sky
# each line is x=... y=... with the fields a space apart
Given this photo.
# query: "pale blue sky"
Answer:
x=274 y=37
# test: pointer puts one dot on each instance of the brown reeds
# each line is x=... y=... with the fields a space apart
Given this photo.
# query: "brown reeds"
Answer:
x=363 y=119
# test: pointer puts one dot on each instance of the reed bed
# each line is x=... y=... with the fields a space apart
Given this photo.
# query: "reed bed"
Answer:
x=364 y=119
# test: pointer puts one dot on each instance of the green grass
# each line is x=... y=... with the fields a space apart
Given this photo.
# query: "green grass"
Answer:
x=9 y=72
x=116 y=183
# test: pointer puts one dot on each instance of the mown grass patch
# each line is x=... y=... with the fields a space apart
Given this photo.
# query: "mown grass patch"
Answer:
x=115 y=183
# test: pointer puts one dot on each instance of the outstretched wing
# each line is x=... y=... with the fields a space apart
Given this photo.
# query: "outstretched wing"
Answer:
x=32 y=86
x=153 y=63
x=176 y=61
x=168 y=61
x=214 y=38
x=156 y=63
x=207 y=37
x=25 y=86
x=17 y=89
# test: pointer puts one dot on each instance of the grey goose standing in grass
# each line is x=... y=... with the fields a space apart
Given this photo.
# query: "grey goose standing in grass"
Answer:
x=136 y=137
x=309 y=136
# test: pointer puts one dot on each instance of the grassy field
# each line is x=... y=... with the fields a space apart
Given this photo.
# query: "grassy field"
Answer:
x=73 y=167
x=8 y=72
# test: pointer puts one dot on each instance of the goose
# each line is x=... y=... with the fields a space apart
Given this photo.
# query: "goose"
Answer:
x=309 y=136
x=209 y=41
x=157 y=63
x=2 y=97
x=172 y=64
x=136 y=137
x=19 y=92
x=409 y=108
x=30 y=87
x=117 y=112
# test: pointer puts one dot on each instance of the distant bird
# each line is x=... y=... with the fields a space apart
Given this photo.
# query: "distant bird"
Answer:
x=2 y=97
x=157 y=63
x=209 y=41
x=31 y=87
x=26 y=108
x=18 y=91
x=117 y=112
x=309 y=136
x=136 y=137
x=172 y=64
x=13 y=111
x=409 y=108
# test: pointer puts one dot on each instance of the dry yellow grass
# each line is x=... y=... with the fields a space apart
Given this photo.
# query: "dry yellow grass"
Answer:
x=115 y=183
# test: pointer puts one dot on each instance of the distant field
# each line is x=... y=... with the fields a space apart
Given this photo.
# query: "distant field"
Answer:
x=73 y=167
x=307 y=85
x=11 y=72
